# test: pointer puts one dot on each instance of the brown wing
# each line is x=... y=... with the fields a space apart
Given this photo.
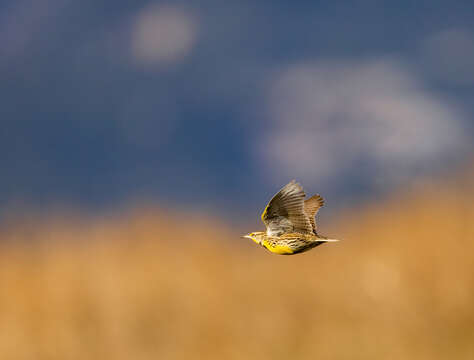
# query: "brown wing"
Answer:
x=311 y=207
x=285 y=211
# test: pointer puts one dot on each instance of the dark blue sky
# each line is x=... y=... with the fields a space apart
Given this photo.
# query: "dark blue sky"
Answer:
x=187 y=103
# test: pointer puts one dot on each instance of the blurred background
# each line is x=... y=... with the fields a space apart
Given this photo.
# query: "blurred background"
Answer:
x=140 y=139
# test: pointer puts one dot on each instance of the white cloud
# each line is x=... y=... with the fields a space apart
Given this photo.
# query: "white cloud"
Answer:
x=163 y=34
x=449 y=56
x=326 y=117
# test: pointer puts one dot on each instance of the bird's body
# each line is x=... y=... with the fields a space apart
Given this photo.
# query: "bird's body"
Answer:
x=288 y=243
x=290 y=222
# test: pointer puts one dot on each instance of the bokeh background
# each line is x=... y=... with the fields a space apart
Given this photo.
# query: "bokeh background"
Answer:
x=140 y=139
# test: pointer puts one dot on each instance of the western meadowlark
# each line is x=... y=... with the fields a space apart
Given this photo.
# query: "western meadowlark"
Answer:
x=290 y=222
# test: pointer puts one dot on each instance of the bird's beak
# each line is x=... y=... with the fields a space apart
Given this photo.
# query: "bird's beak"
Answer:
x=246 y=236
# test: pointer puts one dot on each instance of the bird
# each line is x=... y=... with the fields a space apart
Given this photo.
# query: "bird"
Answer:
x=290 y=222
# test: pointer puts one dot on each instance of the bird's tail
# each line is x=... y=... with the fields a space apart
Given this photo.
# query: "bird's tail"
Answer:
x=325 y=239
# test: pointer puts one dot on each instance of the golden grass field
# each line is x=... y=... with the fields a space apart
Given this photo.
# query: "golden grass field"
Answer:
x=141 y=286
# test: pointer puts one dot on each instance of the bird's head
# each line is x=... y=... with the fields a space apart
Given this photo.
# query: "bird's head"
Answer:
x=255 y=236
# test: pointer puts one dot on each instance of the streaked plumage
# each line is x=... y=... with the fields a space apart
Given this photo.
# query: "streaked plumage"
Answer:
x=290 y=222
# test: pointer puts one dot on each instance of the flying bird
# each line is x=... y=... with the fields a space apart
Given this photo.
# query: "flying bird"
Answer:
x=290 y=222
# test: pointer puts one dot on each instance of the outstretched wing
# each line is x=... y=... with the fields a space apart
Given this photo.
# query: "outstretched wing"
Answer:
x=285 y=211
x=311 y=207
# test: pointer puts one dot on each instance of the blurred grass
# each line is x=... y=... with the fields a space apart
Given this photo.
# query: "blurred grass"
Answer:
x=145 y=285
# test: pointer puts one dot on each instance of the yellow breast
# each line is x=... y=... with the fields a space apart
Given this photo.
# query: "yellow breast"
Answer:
x=276 y=248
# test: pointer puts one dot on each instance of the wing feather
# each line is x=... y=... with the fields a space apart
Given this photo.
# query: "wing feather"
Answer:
x=311 y=207
x=285 y=212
